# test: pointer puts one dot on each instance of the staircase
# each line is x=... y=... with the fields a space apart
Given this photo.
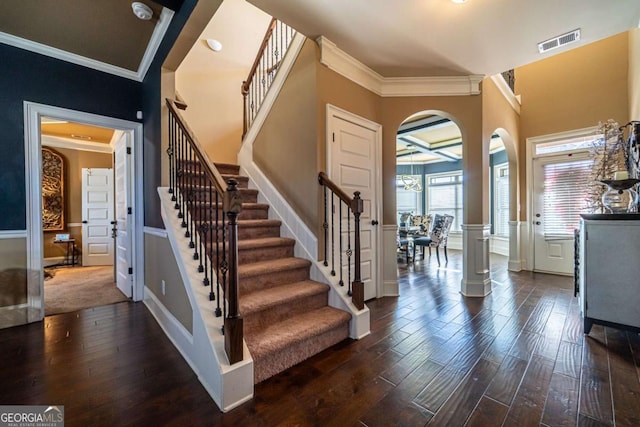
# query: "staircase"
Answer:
x=286 y=315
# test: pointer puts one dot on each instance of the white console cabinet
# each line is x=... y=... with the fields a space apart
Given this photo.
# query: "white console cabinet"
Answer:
x=609 y=270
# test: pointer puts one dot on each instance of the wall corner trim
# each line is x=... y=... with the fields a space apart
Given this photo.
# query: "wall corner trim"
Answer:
x=506 y=91
x=342 y=63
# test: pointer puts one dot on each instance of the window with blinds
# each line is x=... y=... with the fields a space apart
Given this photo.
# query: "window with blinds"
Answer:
x=565 y=192
x=501 y=200
x=407 y=200
x=444 y=196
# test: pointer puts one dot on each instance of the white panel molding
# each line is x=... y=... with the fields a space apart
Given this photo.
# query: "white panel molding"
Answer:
x=138 y=75
x=72 y=144
x=344 y=64
x=476 y=280
x=13 y=234
x=499 y=245
x=506 y=91
x=390 y=285
x=515 y=243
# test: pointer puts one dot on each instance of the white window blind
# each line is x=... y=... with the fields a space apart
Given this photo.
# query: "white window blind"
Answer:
x=565 y=191
x=501 y=200
x=444 y=196
x=407 y=200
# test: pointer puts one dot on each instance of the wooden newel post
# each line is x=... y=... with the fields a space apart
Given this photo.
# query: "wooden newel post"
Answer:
x=357 y=286
x=233 y=323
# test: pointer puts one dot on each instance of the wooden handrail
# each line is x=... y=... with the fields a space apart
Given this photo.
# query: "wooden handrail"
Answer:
x=210 y=170
x=323 y=179
x=256 y=62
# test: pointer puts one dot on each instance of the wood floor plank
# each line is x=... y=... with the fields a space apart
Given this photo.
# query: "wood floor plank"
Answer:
x=569 y=359
x=626 y=395
x=561 y=407
x=595 y=395
x=464 y=399
x=487 y=413
x=507 y=380
x=527 y=406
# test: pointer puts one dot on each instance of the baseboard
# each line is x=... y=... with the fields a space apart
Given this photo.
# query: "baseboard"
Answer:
x=391 y=288
x=60 y=261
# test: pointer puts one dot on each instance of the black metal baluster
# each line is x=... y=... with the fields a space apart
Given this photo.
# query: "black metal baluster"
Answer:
x=349 y=251
x=224 y=268
x=181 y=186
x=190 y=194
x=333 y=235
x=172 y=137
x=325 y=226
x=218 y=260
x=177 y=191
x=340 y=282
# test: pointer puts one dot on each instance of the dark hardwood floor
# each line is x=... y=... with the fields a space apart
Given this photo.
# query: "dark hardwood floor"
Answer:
x=515 y=358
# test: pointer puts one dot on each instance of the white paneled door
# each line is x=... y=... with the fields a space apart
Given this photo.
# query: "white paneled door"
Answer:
x=122 y=226
x=353 y=166
x=97 y=216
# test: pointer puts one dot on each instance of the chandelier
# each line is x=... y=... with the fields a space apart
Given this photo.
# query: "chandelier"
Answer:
x=410 y=182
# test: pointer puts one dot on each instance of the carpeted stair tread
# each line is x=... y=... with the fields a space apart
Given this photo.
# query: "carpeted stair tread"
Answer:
x=265 y=242
x=280 y=295
x=227 y=168
x=284 y=334
x=283 y=264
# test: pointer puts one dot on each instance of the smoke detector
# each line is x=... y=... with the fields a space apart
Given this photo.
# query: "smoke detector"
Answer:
x=141 y=10
x=556 y=42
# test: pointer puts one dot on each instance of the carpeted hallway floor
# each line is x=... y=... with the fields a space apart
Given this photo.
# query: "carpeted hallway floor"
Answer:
x=72 y=289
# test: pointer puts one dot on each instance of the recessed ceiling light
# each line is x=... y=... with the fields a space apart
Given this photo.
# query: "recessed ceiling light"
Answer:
x=141 y=10
x=214 y=45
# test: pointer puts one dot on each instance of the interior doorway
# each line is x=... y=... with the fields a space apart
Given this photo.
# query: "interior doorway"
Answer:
x=130 y=197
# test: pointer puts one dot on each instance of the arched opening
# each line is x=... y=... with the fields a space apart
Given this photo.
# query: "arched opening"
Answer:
x=429 y=191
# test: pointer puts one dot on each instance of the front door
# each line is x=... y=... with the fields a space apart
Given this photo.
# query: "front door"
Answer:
x=97 y=216
x=353 y=158
x=121 y=228
x=559 y=198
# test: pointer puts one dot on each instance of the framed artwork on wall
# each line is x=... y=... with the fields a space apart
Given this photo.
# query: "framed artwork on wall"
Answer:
x=52 y=190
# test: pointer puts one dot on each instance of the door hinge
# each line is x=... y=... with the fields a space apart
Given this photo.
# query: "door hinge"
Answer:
x=129 y=211
x=130 y=270
x=128 y=150
x=333 y=136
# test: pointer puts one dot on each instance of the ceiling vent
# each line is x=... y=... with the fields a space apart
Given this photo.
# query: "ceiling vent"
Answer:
x=559 y=41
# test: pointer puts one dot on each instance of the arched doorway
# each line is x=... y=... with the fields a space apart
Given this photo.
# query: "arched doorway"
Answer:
x=429 y=182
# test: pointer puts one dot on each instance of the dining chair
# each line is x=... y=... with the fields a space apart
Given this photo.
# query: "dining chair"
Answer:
x=436 y=237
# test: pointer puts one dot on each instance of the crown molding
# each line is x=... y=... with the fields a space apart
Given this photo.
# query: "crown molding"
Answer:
x=506 y=91
x=72 y=144
x=138 y=75
x=344 y=64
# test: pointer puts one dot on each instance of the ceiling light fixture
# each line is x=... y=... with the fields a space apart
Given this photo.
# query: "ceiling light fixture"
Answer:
x=141 y=10
x=214 y=45
x=410 y=182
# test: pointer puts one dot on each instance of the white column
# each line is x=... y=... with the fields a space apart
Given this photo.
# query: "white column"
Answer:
x=390 y=261
x=476 y=281
x=515 y=258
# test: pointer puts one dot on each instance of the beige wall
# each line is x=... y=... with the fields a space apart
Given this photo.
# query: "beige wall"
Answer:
x=573 y=90
x=499 y=116
x=214 y=110
x=286 y=147
x=13 y=276
x=74 y=161
x=160 y=264
x=634 y=74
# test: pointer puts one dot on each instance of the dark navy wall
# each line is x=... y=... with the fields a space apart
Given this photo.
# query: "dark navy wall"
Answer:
x=152 y=103
x=27 y=76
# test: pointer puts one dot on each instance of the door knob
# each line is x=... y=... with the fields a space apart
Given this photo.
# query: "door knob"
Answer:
x=538 y=223
x=85 y=222
x=374 y=222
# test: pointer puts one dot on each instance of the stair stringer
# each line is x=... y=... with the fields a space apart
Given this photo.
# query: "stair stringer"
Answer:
x=306 y=247
x=228 y=385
